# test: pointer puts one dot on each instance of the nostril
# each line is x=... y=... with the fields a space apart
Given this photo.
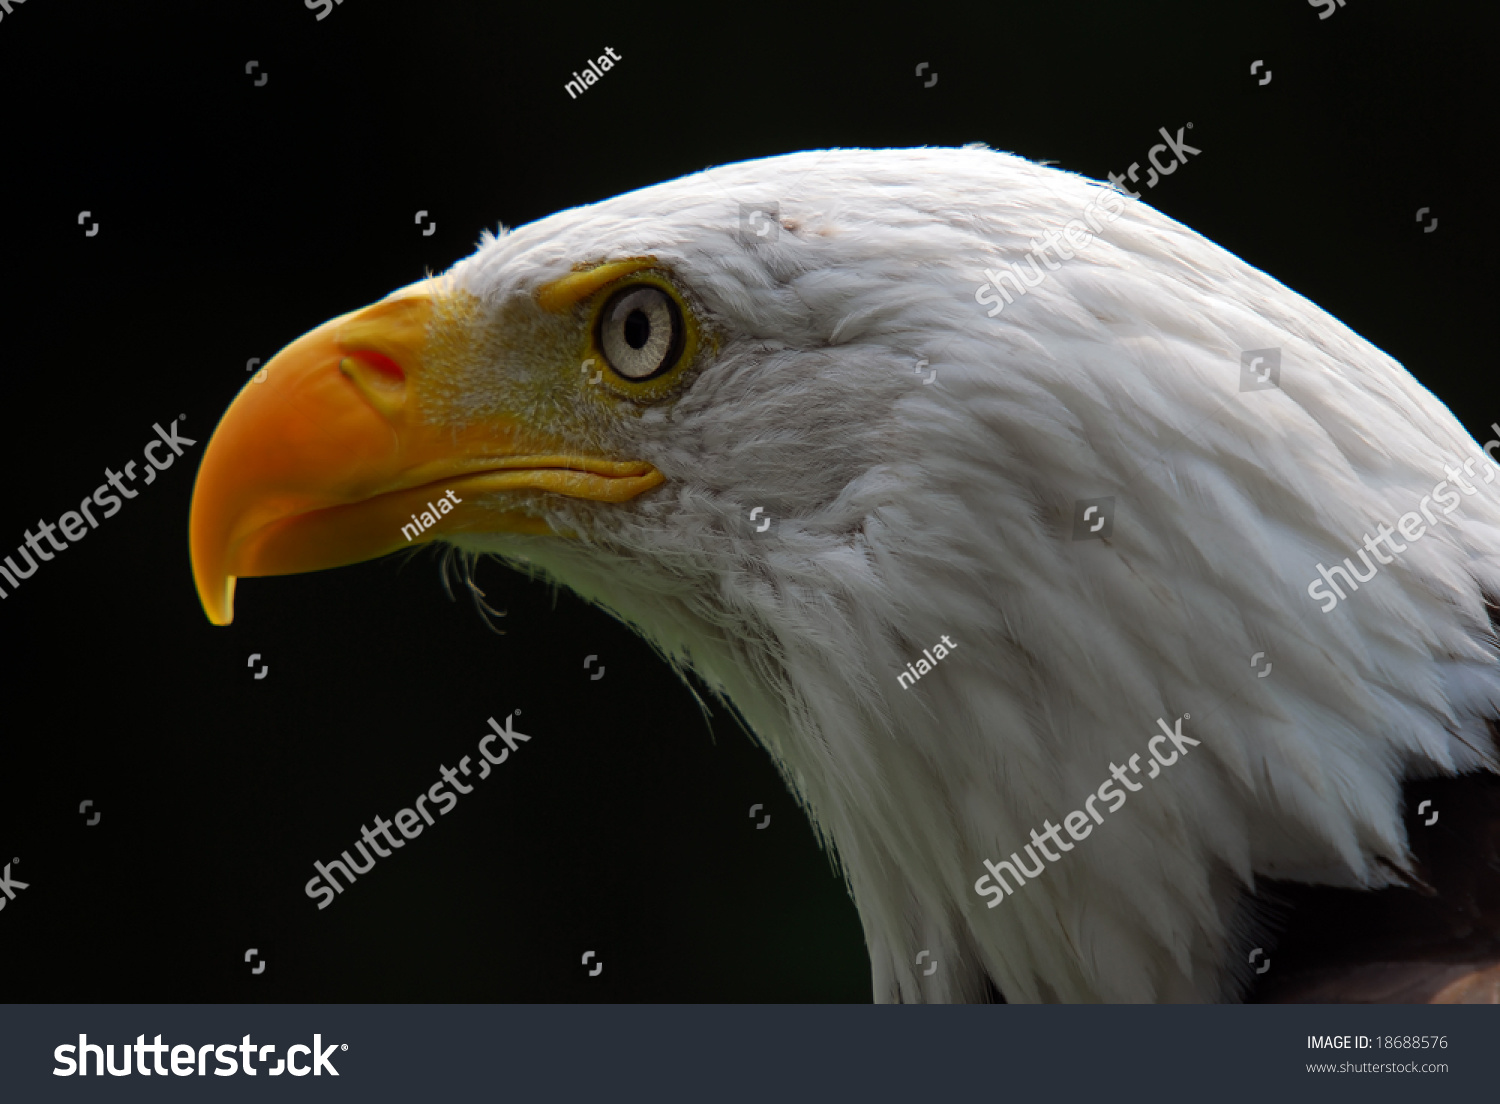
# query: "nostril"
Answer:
x=375 y=362
x=379 y=379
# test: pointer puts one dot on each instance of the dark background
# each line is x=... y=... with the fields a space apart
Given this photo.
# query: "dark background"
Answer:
x=234 y=217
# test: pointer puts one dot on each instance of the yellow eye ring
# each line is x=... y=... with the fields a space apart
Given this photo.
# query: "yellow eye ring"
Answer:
x=634 y=309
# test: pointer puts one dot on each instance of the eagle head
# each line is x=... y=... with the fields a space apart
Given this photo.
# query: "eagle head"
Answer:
x=763 y=415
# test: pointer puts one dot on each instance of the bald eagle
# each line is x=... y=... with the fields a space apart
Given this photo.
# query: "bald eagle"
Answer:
x=985 y=495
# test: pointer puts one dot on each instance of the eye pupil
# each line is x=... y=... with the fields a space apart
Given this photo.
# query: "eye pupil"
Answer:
x=637 y=329
x=640 y=332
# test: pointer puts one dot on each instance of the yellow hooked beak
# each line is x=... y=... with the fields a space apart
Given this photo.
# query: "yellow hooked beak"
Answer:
x=325 y=459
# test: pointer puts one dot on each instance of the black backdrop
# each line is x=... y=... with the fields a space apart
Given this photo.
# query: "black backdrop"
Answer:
x=234 y=216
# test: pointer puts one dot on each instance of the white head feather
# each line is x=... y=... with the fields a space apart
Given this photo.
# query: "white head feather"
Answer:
x=903 y=512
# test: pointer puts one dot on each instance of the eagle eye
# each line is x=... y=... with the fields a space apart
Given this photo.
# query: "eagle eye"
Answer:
x=641 y=332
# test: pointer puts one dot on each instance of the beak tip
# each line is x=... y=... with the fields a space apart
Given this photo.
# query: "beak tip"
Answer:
x=219 y=609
